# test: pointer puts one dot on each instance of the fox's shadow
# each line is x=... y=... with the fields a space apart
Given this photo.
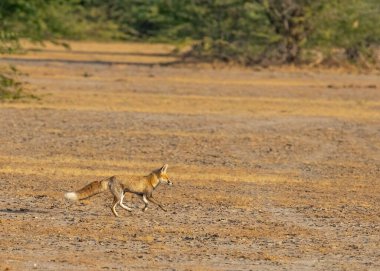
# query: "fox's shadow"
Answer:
x=21 y=211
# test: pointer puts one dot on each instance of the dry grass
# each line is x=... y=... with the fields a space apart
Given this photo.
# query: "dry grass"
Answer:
x=273 y=169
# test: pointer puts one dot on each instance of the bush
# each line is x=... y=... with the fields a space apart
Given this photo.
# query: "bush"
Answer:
x=242 y=31
x=11 y=88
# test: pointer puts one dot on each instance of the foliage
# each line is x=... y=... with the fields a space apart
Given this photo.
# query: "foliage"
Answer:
x=36 y=20
x=281 y=31
x=352 y=25
x=11 y=88
x=233 y=31
x=243 y=31
x=250 y=31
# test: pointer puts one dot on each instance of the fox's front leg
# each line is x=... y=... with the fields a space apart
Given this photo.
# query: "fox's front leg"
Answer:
x=153 y=200
x=144 y=198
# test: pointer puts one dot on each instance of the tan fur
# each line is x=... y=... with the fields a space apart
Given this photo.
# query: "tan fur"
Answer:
x=119 y=185
x=92 y=189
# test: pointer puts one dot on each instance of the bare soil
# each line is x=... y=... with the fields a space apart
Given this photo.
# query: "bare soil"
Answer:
x=274 y=169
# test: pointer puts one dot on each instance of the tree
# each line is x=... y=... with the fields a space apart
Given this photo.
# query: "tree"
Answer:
x=352 y=25
x=36 y=20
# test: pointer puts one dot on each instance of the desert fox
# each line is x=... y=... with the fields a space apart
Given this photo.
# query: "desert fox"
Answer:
x=119 y=185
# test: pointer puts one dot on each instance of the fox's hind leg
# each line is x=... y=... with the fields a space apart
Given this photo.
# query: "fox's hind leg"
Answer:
x=117 y=193
x=122 y=205
x=114 y=203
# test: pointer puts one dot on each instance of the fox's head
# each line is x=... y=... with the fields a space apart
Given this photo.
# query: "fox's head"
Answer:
x=163 y=176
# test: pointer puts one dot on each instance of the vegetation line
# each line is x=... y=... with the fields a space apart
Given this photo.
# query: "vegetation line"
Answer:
x=259 y=32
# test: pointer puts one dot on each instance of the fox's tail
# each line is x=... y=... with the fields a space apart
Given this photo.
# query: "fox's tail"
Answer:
x=89 y=190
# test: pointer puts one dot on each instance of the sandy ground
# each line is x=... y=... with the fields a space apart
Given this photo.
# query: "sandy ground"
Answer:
x=273 y=169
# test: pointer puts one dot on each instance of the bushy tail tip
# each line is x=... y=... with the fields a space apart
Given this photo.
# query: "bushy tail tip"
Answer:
x=71 y=196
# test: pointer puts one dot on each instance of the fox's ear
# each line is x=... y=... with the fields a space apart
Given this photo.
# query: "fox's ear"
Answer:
x=164 y=168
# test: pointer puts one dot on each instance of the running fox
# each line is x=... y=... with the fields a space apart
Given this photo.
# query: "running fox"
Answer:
x=119 y=185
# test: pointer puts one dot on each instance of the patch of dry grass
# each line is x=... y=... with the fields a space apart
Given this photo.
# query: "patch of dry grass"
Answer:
x=199 y=105
x=284 y=196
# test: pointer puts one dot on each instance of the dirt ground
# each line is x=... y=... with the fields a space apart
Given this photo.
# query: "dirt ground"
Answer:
x=273 y=169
